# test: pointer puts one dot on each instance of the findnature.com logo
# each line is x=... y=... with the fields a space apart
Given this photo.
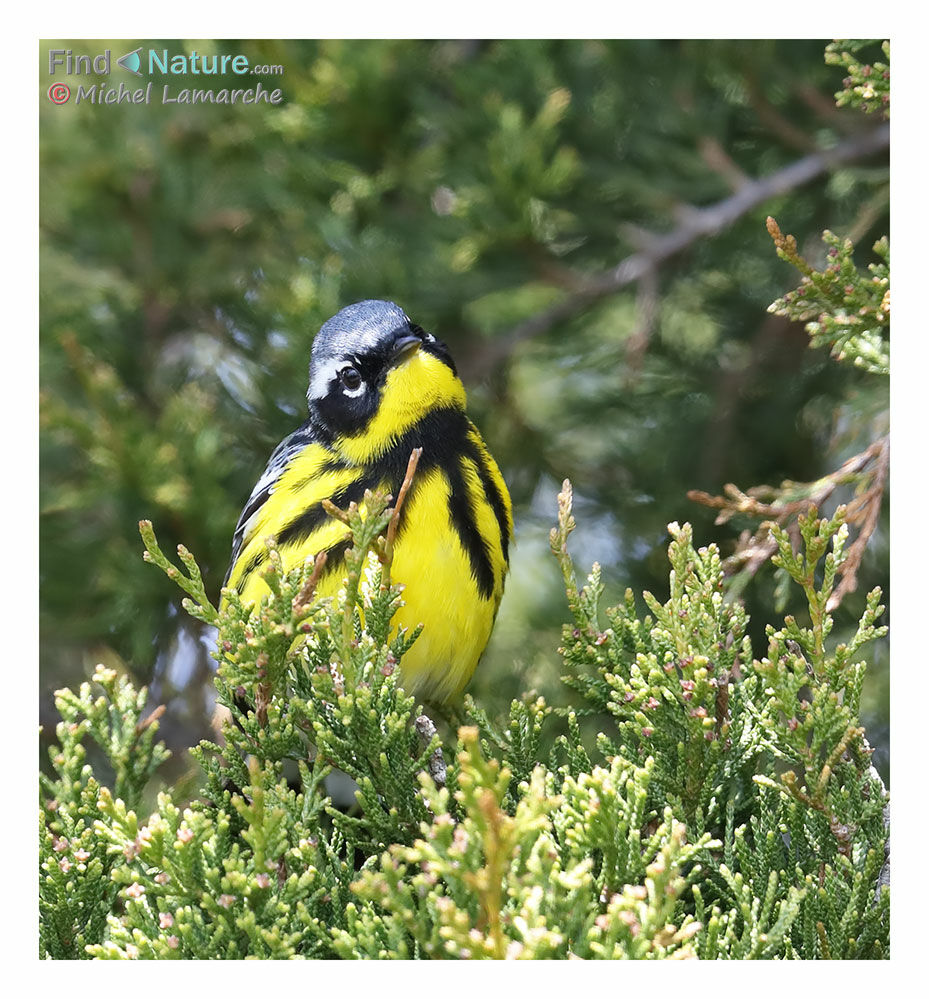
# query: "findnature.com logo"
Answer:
x=159 y=63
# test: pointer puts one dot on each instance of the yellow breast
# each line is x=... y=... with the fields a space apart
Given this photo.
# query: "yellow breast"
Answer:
x=450 y=554
x=441 y=592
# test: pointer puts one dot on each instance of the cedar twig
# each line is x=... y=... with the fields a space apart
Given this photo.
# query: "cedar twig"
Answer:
x=305 y=597
x=386 y=552
x=338 y=513
x=426 y=730
x=143 y=723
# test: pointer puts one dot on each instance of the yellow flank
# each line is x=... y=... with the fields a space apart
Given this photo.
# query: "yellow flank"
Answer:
x=420 y=384
x=478 y=441
x=486 y=524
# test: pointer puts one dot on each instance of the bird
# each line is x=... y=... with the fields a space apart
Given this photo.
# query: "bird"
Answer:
x=380 y=386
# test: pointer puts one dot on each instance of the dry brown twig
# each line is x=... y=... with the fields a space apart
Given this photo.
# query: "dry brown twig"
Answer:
x=386 y=551
x=144 y=723
x=782 y=506
x=426 y=730
x=305 y=597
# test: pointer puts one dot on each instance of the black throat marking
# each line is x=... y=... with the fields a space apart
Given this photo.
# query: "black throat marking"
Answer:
x=445 y=436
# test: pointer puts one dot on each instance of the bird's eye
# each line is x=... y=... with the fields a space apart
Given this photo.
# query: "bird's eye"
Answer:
x=350 y=378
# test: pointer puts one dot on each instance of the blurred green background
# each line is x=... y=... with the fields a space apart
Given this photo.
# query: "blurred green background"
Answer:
x=189 y=254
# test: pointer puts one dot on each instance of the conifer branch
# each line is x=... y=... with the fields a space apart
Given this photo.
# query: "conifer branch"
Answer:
x=697 y=224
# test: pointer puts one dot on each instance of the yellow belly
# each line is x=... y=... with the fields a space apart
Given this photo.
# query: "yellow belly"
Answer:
x=440 y=593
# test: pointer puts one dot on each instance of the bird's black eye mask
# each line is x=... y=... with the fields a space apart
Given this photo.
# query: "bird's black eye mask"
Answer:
x=345 y=391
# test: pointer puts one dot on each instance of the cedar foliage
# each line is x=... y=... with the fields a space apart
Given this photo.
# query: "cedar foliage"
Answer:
x=723 y=806
x=730 y=810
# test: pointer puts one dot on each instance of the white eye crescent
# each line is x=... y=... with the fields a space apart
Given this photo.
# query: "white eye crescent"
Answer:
x=352 y=383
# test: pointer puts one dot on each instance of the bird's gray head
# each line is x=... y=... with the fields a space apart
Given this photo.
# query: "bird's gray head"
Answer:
x=351 y=356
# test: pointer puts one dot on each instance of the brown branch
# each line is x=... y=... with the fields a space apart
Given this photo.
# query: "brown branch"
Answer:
x=386 y=553
x=776 y=123
x=394 y=524
x=824 y=105
x=720 y=162
x=426 y=730
x=646 y=313
x=867 y=509
x=863 y=512
x=144 y=723
x=305 y=597
x=699 y=223
x=263 y=691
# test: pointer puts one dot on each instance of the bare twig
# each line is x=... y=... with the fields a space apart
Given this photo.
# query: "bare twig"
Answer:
x=305 y=597
x=824 y=106
x=263 y=690
x=775 y=122
x=646 y=313
x=792 y=498
x=719 y=161
x=426 y=730
x=386 y=553
x=144 y=723
x=864 y=510
x=699 y=223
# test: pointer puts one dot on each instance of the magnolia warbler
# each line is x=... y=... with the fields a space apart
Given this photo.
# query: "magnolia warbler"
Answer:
x=381 y=386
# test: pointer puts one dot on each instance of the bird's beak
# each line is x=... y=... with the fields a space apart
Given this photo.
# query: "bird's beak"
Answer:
x=403 y=347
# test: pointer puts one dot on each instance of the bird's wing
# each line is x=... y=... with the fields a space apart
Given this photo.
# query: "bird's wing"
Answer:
x=283 y=454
